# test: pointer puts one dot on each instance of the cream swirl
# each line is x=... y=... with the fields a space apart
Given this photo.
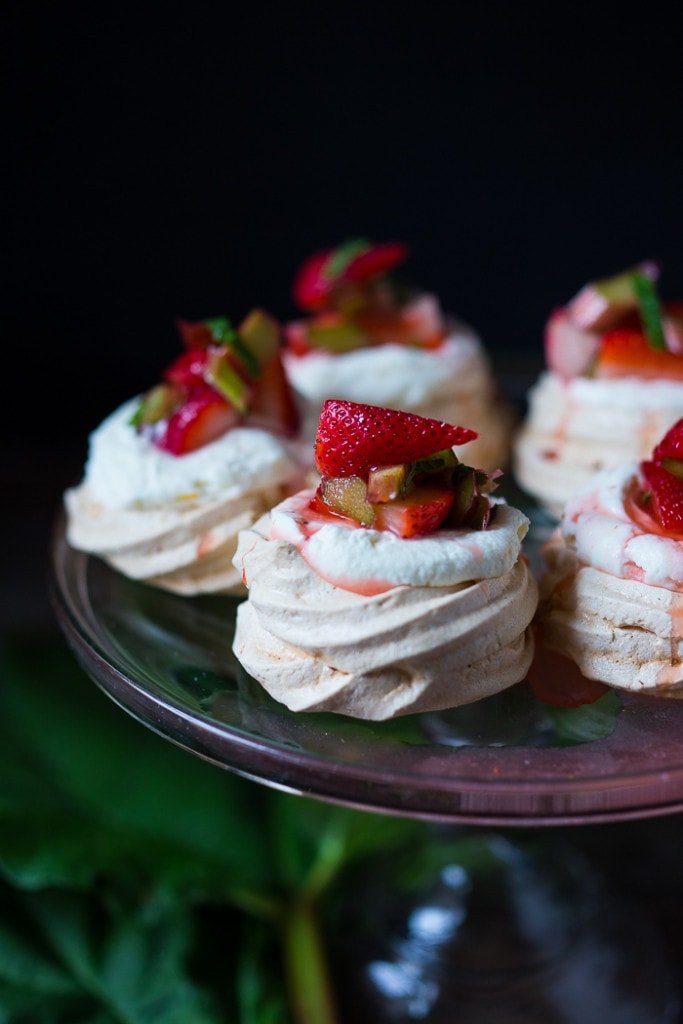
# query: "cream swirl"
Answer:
x=364 y=559
x=125 y=470
x=597 y=526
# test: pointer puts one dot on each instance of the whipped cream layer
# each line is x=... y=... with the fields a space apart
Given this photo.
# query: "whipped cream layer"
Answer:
x=317 y=647
x=364 y=559
x=173 y=521
x=452 y=383
x=575 y=428
x=612 y=597
x=125 y=470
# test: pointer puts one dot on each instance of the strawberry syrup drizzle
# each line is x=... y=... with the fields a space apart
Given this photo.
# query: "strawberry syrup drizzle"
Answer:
x=309 y=523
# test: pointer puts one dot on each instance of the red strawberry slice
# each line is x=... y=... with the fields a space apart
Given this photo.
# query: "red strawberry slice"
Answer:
x=420 y=513
x=356 y=261
x=354 y=438
x=204 y=417
x=666 y=497
x=671 y=445
x=189 y=368
x=627 y=353
x=272 y=405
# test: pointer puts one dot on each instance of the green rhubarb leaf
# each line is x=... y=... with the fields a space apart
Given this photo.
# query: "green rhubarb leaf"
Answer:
x=650 y=309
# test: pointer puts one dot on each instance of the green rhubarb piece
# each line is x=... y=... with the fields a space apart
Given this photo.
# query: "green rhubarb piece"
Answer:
x=650 y=310
x=471 y=507
x=225 y=379
x=157 y=404
x=342 y=256
x=348 y=495
x=259 y=335
x=441 y=463
x=225 y=335
x=336 y=337
x=386 y=483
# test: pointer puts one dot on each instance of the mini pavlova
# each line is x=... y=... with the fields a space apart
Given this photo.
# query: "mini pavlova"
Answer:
x=172 y=476
x=397 y=586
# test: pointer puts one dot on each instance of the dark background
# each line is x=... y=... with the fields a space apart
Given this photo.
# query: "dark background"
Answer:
x=184 y=164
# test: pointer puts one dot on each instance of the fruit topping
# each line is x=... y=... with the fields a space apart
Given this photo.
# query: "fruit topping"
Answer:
x=357 y=452
x=663 y=499
x=659 y=492
x=354 y=438
x=617 y=327
x=225 y=377
x=323 y=278
x=602 y=304
x=354 y=303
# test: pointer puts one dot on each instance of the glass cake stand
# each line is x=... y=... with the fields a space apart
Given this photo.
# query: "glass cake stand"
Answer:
x=505 y=761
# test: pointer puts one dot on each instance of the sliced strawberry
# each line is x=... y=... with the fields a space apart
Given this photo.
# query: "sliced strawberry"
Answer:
x=272 y=405
x=355 y=261
x=627 y=353
x=376 y=260
x=420 y=513
x=203 y=418
x=663 y=499
x=354 y=438
x=189 y=368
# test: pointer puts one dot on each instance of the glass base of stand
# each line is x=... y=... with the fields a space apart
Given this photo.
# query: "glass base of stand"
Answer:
x=496 y=930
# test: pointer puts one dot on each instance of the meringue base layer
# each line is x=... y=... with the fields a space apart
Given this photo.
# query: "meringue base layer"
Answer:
x=316 y=647
x=576 y=428
x=186 y=548
x=624 y=633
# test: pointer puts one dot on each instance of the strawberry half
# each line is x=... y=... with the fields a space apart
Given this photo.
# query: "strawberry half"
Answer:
x=671 y=445
x=354 y=438
x=664 y=501
x=355 y=261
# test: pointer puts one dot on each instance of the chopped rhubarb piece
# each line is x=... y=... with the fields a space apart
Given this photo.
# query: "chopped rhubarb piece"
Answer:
x=419 y=513
x=386 y=483
x=260 y=334
x=223 y=374
x=354 y=438
x=627 y=353
x=336 y=334
x=347 y=495
x=158 y=404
